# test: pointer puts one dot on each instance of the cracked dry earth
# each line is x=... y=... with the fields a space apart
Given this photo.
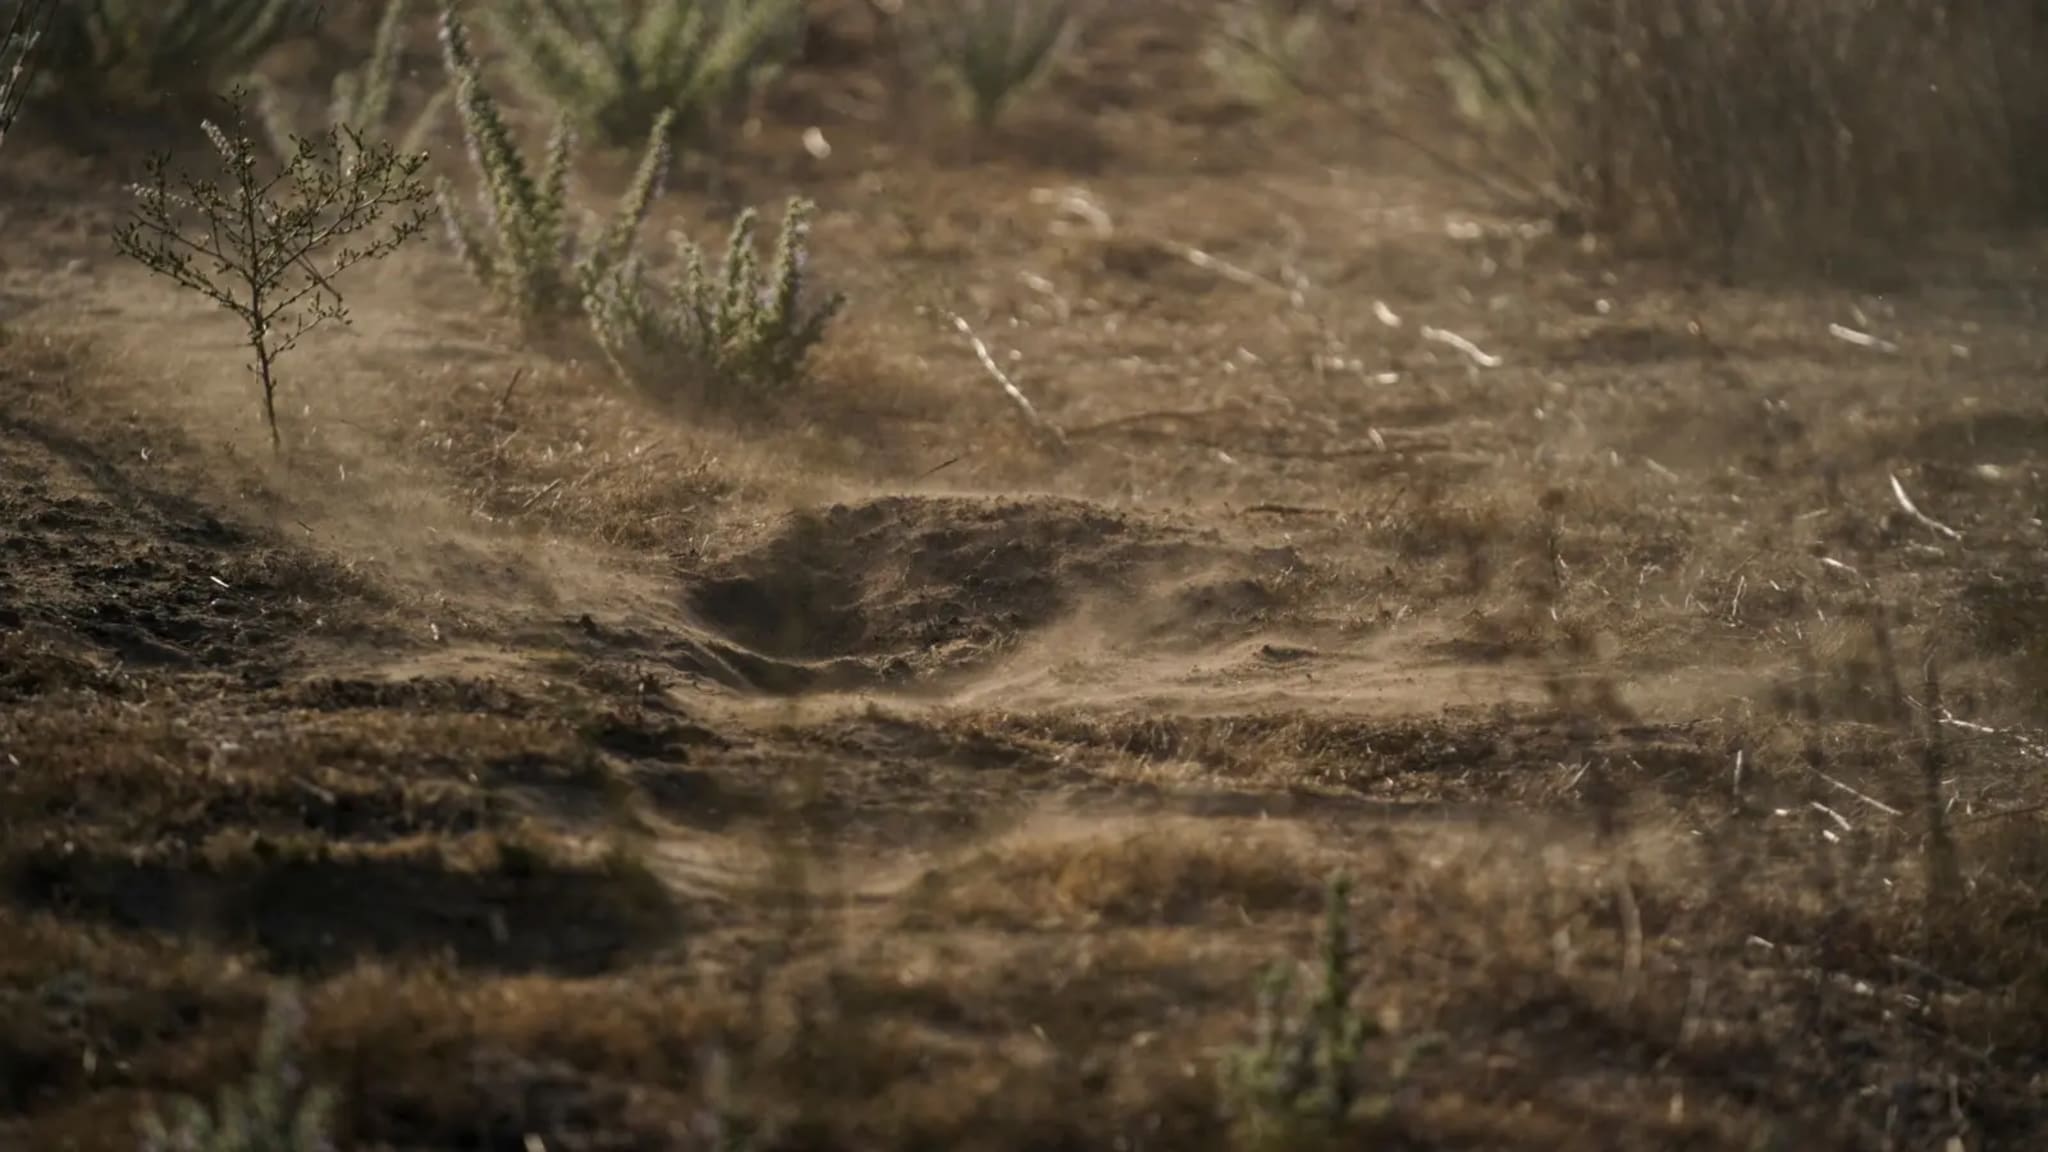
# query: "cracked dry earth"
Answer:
x=949 y=789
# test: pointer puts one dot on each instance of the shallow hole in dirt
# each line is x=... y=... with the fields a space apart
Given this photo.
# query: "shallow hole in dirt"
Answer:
x=900 y=574
x=794 y=614
x=905 y=587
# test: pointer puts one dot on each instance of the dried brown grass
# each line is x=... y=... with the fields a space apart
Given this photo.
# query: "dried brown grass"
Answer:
x=1728 y=125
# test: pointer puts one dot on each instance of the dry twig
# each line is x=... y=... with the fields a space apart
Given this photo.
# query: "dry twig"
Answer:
x=1038 y=422
x=1929 y=522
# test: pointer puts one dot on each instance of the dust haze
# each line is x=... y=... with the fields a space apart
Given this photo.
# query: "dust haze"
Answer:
x=1658 y=651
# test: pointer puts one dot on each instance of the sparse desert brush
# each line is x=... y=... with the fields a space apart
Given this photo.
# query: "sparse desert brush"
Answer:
x=991 y=50
x=620 y=65
x=165 y=55
x=1716 y=125
x=267 y=245
x=361 y=98
x=519 y=243
x=273 y=1111
x=741 y=334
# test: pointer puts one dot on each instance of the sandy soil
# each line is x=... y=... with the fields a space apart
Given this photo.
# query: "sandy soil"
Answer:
x=947 y=786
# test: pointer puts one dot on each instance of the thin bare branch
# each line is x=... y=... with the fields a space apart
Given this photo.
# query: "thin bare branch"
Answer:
x=263 y=234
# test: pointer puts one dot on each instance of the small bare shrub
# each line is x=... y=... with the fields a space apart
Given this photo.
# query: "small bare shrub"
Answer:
x=269 y=246
x=740 y=334
x=519 y=243
x=619 y=65
x=361 y=98
x=991 y=50
x=274 y=1111
x=165 y=55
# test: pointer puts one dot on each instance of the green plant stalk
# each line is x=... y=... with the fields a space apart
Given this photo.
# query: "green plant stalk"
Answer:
x=619 y=65
x=146 y=53
x=992 y=49
x=273 y=1111
x=518 y=243
x=360 y=99
x=738 y=333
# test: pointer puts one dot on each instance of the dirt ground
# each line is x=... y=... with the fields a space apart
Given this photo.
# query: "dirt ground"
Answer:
x=889 y=774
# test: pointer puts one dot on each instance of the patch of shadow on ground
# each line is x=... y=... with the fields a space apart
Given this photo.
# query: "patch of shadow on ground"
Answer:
x=320 y=912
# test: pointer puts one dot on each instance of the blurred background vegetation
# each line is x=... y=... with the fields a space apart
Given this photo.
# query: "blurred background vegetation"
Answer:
x=1704 y=125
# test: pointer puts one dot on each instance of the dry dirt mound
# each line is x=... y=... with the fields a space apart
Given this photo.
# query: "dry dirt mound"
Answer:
x=906 y=586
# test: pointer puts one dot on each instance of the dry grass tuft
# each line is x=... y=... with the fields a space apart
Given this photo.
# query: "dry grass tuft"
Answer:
x=1733 y=124
x=1169 y=872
